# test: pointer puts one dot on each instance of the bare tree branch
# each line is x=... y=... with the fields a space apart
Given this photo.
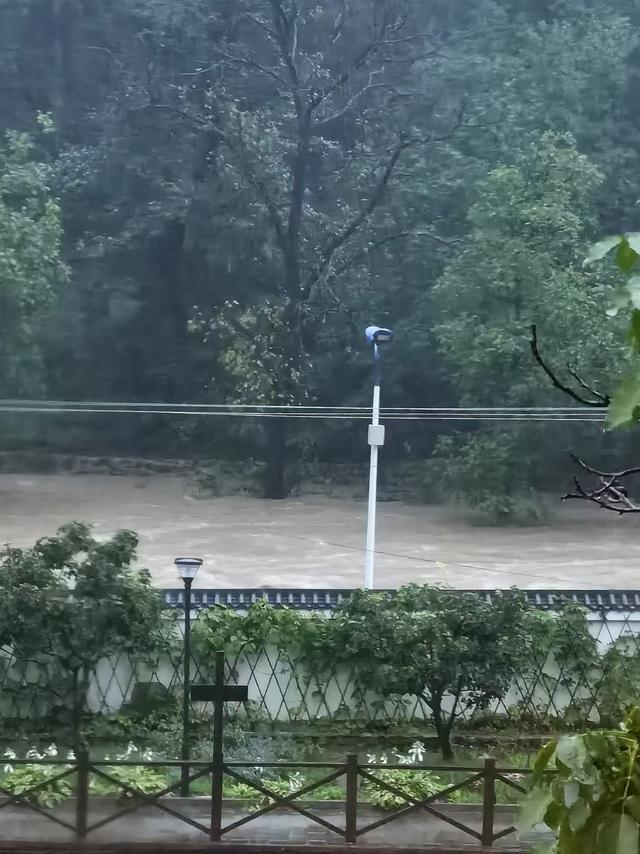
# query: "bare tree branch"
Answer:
x=245 y=161
x=351 y=101
x=286 y=33
x=376 y=196
x=383 y=241
x=598 y=400
x=260 y=23
x=363 y=215
x=250 y=63
x=377 y=40
x=254 y=178
x=587 y=387
x=610 y=492
x=338 y=25
x=618 y=475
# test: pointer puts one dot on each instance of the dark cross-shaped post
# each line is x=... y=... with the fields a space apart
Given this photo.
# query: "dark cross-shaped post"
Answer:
x=218 y=694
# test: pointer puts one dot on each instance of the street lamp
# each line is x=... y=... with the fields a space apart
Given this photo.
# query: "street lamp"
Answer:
x=188 y=568
x=376 y=335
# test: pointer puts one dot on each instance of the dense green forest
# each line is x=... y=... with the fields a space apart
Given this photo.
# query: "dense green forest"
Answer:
x=208 y=200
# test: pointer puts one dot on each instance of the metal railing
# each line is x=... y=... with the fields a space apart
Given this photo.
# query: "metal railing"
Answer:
x=352 y=772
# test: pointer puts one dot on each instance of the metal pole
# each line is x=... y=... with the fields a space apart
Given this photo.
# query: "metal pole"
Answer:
x=373 y=474
x=186 y=699
x=217 y=777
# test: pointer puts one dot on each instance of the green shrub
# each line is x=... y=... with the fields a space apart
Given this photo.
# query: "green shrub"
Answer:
x=22 y=778
x=26 y=776
x=146 y=781
x=417 y=784
x=240 y=791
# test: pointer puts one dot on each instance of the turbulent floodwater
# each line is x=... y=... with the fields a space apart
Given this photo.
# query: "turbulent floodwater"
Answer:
x=317 y=541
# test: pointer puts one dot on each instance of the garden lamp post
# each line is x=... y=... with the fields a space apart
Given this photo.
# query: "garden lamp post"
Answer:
x=376 y=335
x=188 y=568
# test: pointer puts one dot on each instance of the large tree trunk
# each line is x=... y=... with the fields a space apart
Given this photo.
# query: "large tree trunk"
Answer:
x=443 y=729
x=274 y=475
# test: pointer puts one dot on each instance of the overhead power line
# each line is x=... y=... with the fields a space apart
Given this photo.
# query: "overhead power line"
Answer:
x=282 y=406
x=343 y=413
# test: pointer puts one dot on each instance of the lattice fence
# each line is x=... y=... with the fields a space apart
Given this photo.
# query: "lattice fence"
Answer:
x=283 y=689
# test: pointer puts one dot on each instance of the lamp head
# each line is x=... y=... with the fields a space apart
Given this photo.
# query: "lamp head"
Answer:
x=188 y=567
x=378 y=334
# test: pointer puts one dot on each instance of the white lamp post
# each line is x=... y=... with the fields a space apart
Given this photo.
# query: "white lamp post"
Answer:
x=376 y=335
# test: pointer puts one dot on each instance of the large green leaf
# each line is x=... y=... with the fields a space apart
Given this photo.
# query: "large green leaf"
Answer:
x=602 y=248
x=620 y=300
x=626 y=257
x=572 y=752
x=555 y=815
x=542 y=761
x=619 y=834
x=632 y=805
x=571 y=792
x=634 y=331
x=633 y=239
x=633 y=289
x=579 y=814
x=625 y=403
x=534 y=808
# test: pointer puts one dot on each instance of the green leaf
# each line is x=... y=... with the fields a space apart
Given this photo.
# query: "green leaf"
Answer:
x=633 y=334
x=579 y=814
x=633 y=290
x=601 y=248
x=534 y=808
x=633 y=239
x=619 y=834
x=625 y=403
x=626 y=257
x=555 y=815
x=620 y=300
x=632 y=805
x=571 y=749
x=571 y=792
x=542 y=761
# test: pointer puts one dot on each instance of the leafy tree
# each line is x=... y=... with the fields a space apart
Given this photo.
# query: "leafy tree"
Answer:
x=307 y=126
x=611 y=491
x=452 y=650
x=174 y=122
x=521 y=266
x=31 y=266
x=70 y=601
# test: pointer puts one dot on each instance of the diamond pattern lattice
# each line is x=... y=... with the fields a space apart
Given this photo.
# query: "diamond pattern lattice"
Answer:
x=283 y=688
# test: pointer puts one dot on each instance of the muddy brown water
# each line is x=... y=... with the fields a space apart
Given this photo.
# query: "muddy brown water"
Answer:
x=317 y=541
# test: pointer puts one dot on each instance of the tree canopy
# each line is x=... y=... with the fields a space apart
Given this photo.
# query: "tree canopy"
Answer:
x=31 y=265
x=244 y=186
x=65 y=604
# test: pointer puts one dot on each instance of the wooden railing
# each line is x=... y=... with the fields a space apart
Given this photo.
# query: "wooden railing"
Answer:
x=483 y=778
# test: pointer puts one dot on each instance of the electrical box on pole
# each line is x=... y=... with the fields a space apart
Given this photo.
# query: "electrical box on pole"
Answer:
x=376 y=435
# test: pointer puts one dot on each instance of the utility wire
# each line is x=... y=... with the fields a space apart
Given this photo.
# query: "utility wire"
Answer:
x=283 y=407
x=306 y=412
x=431 y=561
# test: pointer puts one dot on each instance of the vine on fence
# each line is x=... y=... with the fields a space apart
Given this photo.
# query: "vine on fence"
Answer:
x=452 y=650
